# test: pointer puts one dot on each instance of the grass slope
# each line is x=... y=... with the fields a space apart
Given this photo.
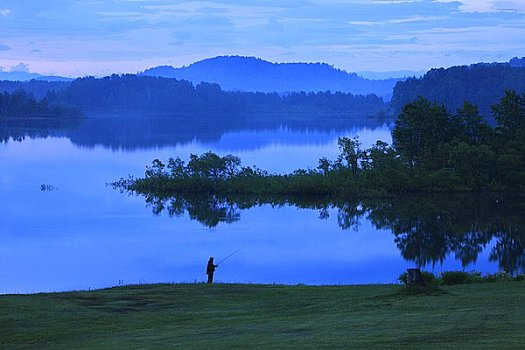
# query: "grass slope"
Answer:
x=229 y=316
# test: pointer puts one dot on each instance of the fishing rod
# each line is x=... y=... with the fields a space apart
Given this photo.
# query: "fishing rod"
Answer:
x=235 y=252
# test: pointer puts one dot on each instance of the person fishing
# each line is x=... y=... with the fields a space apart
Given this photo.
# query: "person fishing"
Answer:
x=210 y=269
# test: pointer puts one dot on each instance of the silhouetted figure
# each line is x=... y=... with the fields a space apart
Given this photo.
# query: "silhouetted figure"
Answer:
x=210 y=269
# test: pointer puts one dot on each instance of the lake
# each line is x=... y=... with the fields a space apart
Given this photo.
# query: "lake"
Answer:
x=63 y=228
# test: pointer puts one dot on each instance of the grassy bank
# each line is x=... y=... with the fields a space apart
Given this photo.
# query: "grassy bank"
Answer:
x=226 y=316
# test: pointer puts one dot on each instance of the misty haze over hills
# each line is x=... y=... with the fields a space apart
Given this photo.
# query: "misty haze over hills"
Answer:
x=397 y=74
x=254 y=74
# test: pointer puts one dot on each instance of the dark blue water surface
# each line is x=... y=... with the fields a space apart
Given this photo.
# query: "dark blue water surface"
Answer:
x=79 y=233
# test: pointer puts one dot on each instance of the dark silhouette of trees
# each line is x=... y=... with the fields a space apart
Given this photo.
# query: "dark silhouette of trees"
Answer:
x=480 y=84
x=20 y=104
x=152 y=95
x=422 y=128
x=433 y=151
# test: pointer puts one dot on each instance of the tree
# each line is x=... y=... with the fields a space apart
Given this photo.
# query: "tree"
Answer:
x=212 y=166
x=510 y=113
x=510 y=139
x=474 y=128
x=350 y=152
x=420 y=131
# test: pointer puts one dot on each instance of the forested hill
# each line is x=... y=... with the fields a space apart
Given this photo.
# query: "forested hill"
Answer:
x=237 y=73
x=142 y=94
x=480 y=84
x=37 y=88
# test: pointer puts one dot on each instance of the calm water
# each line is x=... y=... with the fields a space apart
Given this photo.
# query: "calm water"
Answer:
x=82 y=234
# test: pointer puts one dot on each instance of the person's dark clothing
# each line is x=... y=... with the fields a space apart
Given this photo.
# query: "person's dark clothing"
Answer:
x=210 y=269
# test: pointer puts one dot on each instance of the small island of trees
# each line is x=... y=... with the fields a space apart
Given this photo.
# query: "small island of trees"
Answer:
x=433 y=151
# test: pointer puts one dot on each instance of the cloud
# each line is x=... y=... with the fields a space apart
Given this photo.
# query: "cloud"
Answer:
x=179 y=38
x=365 y=23
x=21 y=67
x=418 y=18
x=390 y=2
x=73 y=36
x=484 y=6
x=274 y=24
x=413 y=19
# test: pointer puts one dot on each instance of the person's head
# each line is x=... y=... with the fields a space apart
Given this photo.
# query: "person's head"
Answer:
x=211 y=258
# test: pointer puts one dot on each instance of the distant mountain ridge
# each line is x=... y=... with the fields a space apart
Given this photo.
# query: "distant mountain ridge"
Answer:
x=239 y=73
x=27 y=76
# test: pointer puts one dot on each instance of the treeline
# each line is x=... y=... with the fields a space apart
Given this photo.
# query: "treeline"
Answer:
x=324 y=101
x=481 y=84
x=38 y=88
x=144 y=94
x=433 y=151
x=133 y=93
x=20 y=104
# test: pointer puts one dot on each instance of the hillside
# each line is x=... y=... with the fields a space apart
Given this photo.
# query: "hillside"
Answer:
x=236 y=73
x=480 y=84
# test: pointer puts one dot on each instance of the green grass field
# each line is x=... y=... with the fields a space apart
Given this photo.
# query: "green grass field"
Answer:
x=233 y=316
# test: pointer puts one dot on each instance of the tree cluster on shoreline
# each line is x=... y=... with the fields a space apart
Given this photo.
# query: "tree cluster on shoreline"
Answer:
x=20 y=104
x=136 y=94
x=144 y=94
x=433 y=151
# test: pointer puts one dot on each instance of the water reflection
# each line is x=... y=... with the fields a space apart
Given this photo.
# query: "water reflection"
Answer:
x=86 y=235
x=426 y=229
x=136 y=132
x=19 y=130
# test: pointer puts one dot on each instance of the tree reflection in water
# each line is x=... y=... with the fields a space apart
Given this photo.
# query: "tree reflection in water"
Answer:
x=208 y=210
x=426 y=229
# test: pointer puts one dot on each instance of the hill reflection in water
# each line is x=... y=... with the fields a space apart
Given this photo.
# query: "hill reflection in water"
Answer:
x=146 y=132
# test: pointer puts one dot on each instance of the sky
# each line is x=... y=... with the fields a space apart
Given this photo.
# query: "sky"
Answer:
x=95 y=37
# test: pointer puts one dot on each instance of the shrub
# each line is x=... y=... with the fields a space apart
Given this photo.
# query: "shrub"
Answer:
x=520 y=277
x=454 y=277
x=475 y=277
x=462 y=277
x=498 y=276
